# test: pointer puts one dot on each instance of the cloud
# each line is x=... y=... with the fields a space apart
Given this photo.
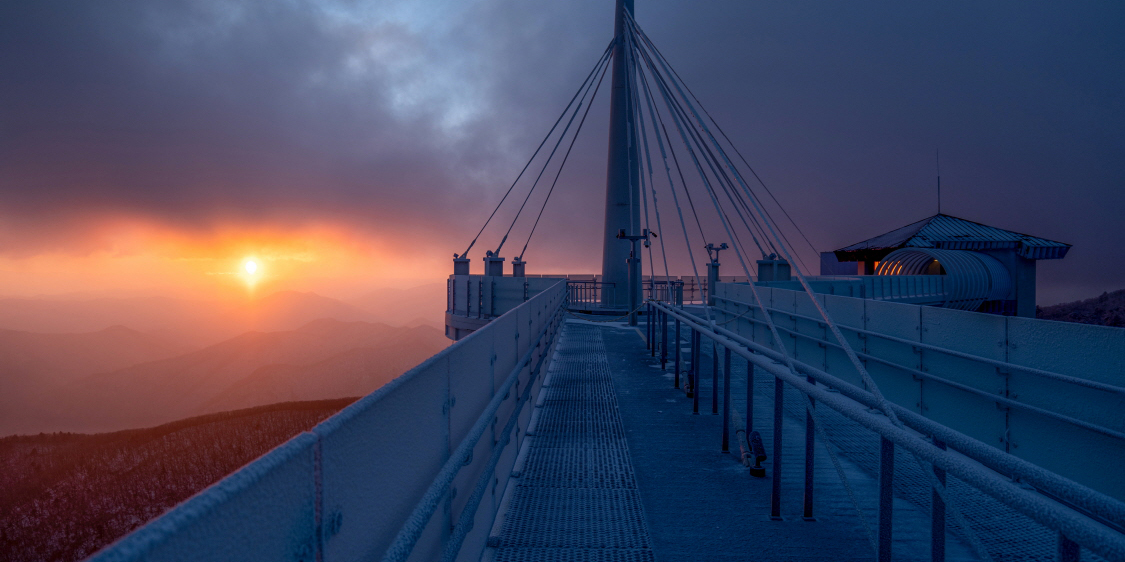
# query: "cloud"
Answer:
x=406 y=121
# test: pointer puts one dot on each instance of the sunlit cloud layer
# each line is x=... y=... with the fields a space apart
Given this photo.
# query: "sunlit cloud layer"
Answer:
x=153 y=145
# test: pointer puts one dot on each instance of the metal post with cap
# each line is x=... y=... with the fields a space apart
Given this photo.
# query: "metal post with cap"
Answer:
x=713 y=270
x=634 y=270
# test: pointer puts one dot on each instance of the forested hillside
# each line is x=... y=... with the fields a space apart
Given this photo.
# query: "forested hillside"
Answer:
x=63 y=496
x=1105 y=310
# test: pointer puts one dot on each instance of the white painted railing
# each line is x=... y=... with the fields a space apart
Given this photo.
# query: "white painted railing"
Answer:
x=1052 y=393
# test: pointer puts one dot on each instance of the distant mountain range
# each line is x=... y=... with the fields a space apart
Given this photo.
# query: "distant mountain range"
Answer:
x=34 y=367
x=323 y=359
x=287 y=346
x=191 y=323
x=1105 y=310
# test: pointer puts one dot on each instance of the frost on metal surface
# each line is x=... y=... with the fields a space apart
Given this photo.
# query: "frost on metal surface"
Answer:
x=963 y=370
x=576 y=496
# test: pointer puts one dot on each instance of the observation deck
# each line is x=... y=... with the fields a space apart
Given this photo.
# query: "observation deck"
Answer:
x=542 y=436
x=822 y=418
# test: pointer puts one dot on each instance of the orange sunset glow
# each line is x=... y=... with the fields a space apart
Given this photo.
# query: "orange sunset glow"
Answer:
x=226 y=262
x=441 y=279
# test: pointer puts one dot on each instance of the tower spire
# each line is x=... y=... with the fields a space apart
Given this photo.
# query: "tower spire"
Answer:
x=622 y=201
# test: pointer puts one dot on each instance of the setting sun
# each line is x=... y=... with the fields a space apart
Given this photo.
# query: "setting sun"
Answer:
x=251 y=266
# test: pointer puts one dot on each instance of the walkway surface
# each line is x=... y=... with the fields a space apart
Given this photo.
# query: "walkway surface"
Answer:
x=619 y=468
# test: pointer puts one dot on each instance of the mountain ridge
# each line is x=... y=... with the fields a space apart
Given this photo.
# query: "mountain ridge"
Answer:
x=321 y=359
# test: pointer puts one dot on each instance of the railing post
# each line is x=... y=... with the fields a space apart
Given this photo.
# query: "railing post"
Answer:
x=886 y=497
x=937 y=515
x=749 y=398
x=810 y=434
x=714 y=379
x=664 y=340
x=696 y=352
x=652 y=331
x=726 y=399
x=677 y=356
x=1069 y=551
x=775 y=491
x=648 y=326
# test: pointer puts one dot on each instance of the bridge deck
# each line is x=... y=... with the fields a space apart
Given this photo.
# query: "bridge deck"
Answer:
x=618 y=468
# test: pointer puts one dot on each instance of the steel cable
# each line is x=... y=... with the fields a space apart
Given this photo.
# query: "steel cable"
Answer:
x=593 y=71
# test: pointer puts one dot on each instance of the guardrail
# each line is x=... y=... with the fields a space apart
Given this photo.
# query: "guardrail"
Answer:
x=413 y=471
x=585 y=292
x=912 y=289
x=1081 y=516
x=1005 y=381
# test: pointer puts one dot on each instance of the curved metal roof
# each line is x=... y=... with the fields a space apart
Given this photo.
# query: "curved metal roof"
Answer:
x=951 y=233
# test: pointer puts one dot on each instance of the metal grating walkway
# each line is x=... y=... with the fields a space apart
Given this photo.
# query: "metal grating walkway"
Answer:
x=576 y=495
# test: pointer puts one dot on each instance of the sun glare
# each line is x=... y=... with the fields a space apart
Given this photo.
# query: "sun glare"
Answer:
x=250 y=266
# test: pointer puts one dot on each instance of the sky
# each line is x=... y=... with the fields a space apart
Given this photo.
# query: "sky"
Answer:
x=154 y=146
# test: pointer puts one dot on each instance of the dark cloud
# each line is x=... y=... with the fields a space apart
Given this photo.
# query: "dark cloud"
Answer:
x=413 y=117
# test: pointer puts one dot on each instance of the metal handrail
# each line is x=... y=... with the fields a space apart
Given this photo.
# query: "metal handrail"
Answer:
x=960 y=386
x=1096 y=502
x=994 y=362
x=1075 y=526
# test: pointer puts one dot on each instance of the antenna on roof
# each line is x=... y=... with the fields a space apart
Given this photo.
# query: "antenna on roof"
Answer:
x=937 y=156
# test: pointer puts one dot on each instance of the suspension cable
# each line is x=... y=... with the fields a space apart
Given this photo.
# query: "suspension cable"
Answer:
x=731 y=143
x=675 y=160
x=655 y=118
x=880 y=400
x=563 y=164
x=638 y=117
x=547 y=162
x=716 y=170
x=606 y=53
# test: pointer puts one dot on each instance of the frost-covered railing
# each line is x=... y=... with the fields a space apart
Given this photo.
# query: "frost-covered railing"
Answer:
x=912 y=289
x=424 y=459
x=1052 y=393
x=1079 y=515
x=486 y=297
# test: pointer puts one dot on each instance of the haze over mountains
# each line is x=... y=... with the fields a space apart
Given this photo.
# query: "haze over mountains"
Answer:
x=198 y=323
x=130 y=363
